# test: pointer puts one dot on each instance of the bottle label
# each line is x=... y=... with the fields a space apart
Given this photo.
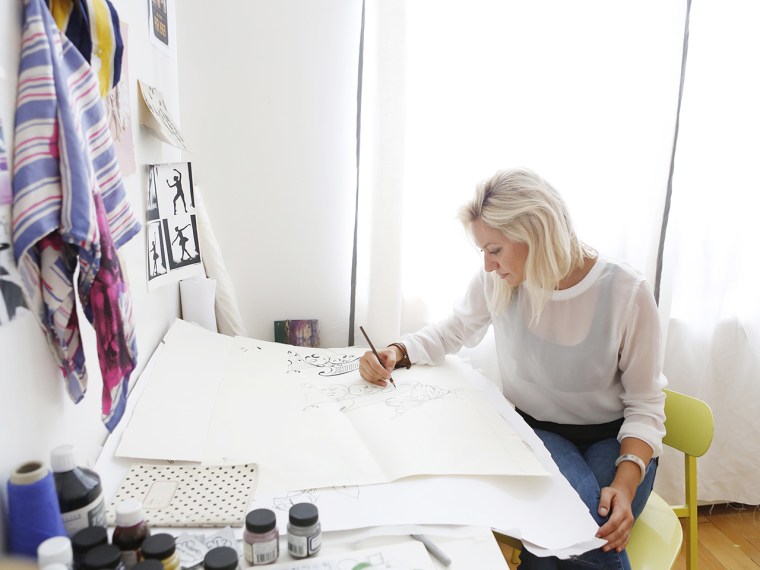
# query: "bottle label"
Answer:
x=298 y=546
x=315 y=543
x=302 y=546
x=89 y=515
x=261 y=552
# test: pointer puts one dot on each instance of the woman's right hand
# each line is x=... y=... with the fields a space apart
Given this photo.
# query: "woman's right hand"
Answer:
x=377 y=371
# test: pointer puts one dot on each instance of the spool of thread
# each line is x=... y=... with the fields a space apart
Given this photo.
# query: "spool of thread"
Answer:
x=33 y=511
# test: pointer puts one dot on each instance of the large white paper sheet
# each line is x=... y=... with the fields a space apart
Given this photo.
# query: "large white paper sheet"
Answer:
x=175 y=407
x=310 y=421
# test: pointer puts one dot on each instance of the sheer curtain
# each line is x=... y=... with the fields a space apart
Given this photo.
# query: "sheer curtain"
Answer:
x=586 y=94
x=709 y=300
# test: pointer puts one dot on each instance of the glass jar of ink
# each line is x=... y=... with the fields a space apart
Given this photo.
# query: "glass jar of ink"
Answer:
x=163 y=547
x=104 y=557
x=261 y=538
x=304 y=530
x=221 y=558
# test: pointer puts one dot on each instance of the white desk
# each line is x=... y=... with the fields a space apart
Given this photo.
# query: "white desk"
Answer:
x=462 y=542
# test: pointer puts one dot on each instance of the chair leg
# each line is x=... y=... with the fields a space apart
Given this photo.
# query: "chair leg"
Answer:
x=690 y=464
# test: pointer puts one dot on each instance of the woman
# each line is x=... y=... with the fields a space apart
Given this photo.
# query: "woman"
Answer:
x=578 y=346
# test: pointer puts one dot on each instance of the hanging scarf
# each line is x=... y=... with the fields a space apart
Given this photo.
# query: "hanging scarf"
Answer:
x=70 y=210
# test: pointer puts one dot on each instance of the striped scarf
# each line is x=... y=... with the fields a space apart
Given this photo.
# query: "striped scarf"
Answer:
x=70 y=211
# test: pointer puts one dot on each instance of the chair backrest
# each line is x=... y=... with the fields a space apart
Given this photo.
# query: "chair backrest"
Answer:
x=689 y=423
x=689 y=426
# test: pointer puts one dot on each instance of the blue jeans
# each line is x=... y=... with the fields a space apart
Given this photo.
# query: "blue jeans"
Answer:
x=589 y=469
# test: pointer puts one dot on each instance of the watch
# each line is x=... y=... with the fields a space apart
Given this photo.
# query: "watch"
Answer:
x=635 y=459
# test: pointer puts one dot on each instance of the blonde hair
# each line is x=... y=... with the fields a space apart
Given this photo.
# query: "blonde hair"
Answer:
x=527 y=209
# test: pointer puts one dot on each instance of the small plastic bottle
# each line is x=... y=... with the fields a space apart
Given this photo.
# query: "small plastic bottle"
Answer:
x=55 y=550
x=221 y=558
x=130 y=532
x=161 y=547
x=80 y=494
x=304 y=530
x=103 y=557
x=261 y=538
x=85 y=540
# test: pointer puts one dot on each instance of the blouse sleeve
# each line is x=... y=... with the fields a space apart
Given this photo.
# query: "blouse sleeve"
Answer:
x=641 y=372
x=466 y=326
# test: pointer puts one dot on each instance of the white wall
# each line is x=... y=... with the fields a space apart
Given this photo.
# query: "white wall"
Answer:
x=268 y=104
x=268 y=99
x=35 y=411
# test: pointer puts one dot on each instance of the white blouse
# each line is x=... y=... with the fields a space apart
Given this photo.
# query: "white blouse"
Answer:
x=593 y=357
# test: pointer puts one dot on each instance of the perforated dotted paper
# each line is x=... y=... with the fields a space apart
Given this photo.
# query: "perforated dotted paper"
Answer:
x=188 y=495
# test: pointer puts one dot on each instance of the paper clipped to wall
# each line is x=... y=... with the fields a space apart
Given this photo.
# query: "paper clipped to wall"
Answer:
x=156 y=117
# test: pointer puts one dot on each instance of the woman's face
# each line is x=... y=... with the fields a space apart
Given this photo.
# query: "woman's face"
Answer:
x=501 y=254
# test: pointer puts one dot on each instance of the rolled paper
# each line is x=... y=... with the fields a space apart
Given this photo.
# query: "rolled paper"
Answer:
x=33 y=511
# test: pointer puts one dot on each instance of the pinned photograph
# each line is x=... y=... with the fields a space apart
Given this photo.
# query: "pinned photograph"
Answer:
x=173 y=246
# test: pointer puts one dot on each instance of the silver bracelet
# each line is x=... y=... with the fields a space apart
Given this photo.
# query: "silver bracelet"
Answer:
x=635 y=459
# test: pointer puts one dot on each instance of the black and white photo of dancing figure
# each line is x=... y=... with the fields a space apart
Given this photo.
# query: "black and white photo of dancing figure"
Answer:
x=182 y=236
x=170 y=190
x=157 y=264
x=172 y=246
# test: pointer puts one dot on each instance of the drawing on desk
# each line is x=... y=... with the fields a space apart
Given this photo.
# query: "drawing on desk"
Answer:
x=407 y=397
x=312 y=496
x=328 y=365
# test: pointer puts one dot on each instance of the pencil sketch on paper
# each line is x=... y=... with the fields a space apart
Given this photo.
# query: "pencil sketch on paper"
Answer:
x=409 y=396
x=328 y=365
x=312 y=496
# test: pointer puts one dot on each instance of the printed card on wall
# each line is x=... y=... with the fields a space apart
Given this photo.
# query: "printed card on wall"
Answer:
x=159 y=26
x=173 y=248
x=11 y=295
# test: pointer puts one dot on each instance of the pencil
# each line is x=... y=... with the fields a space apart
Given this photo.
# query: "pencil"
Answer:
x=372 y=346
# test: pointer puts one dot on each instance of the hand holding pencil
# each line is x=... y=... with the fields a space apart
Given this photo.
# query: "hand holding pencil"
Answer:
x=375 y=367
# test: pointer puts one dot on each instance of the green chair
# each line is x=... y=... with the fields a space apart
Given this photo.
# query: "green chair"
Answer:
x=657 y=535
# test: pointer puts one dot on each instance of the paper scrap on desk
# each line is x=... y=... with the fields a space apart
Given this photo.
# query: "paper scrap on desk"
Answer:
x=192 y=548
x=188 y=495
x=157 y=118
x=401 y=556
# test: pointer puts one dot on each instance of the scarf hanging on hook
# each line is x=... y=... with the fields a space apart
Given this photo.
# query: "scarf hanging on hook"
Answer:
x=71 y=212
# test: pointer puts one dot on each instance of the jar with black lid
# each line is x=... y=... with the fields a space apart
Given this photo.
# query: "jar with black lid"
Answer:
x=163 y=547
x=261 y=539
x=304 y=530
x=103 y=557
x=85 y=540
x=221 y=558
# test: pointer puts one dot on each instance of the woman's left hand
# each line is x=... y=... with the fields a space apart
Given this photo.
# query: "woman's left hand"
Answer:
x=617 y=530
